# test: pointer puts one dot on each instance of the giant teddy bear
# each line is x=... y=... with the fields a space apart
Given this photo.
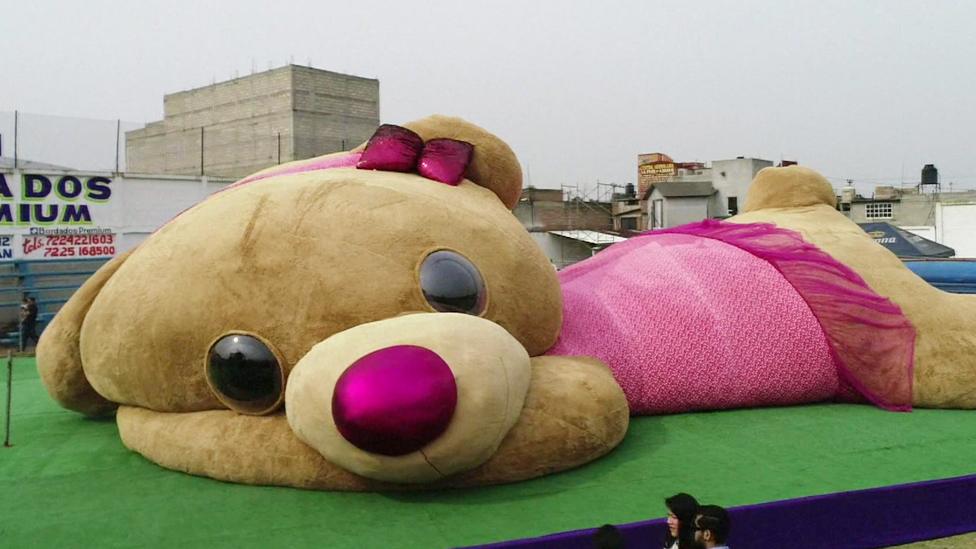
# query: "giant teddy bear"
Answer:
x=378 y=319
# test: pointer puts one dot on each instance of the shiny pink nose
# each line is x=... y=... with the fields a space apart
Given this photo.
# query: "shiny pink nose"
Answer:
x=395 y=400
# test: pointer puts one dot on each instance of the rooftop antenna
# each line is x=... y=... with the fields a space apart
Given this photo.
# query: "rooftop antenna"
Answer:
x=252 y=65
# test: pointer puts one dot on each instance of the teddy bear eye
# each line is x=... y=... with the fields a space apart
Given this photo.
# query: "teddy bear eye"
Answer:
x=452 y=284
x=245 y=374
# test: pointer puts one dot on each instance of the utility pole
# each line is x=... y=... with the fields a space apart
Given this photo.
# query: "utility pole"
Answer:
x=201 y=150
x=16 y=120
x=10 y=376
x=118 y=131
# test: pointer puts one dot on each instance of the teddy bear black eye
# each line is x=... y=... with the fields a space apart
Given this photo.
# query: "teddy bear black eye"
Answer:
x=245 y=374
x=452 y=284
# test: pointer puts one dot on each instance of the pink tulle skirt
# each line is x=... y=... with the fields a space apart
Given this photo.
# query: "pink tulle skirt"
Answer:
x=718 y=315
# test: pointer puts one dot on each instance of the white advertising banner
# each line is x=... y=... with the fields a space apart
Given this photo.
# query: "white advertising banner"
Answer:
x=69 y=215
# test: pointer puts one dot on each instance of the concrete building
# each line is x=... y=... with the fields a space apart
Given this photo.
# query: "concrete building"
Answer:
x=948 y=218
x=675 y=193
x=731 y=180
x=676 y=203
x=234 y=128
x=626 y=210
x=567 y=230
x=658 y=167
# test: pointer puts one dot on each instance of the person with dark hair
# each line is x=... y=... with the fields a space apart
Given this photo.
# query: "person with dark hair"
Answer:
x=608 y=537
x=682 y=509
x=28 y=320
x=712 y=526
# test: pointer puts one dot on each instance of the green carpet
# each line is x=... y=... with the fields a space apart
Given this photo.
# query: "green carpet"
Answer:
x=69 y=482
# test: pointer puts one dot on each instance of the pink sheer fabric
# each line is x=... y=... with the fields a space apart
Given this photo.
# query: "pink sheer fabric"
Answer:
x=871 y=340
x=719 y=315
x=689 y=323
x=344 y=160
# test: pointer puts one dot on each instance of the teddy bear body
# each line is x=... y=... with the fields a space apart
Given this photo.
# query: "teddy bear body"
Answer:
x=787 y=303
x=323 y=326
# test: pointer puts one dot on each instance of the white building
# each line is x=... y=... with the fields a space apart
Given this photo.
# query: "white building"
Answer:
x=698 y=192
x=948 y=218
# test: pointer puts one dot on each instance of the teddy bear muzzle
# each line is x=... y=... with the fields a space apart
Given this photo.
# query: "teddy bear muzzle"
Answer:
x=410 y=399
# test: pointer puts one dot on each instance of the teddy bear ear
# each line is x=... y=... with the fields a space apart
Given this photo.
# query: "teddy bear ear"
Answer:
x=789 y=187
x=493 y=164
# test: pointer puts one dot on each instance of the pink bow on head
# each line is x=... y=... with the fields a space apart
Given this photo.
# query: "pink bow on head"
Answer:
x=397 y=149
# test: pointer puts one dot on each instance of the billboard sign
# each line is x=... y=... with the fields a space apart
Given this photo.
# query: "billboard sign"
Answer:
x=45 y=216
x=654 y=168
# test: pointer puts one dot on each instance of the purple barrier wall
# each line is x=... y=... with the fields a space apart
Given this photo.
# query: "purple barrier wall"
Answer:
x=877 y=517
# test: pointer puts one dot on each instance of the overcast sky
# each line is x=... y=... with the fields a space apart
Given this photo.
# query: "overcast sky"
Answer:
x=867 y=90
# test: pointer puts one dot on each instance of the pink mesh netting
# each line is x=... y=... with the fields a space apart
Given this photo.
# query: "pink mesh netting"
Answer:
x=345 y=160
x=719 y=315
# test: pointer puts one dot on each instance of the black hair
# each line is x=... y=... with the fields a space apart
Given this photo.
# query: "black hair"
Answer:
x=715 y=519
x=685 y=507
x=608 y=537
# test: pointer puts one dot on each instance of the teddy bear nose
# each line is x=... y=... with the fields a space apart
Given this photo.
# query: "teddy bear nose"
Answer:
x=395 y=400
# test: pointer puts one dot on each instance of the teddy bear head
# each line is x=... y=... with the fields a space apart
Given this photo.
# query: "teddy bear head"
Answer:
x=388 y=317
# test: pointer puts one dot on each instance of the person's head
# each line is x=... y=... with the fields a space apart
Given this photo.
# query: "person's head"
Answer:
x=608 y=537
x=711 y=526
x=681 y=514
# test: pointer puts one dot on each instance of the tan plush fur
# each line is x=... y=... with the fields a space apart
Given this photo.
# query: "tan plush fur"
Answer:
x=572 y=415
x=945 y=350
x=58 y=353
x=491 y=371
x=493 y=164
x=295 y=260
x=323 y=251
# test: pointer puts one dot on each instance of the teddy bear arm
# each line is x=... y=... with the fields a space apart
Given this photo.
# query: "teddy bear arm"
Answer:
x=574 y=413
x=59 y=353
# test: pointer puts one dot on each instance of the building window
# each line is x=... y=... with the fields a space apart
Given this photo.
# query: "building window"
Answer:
x=733 y=205
x=657 y=217
x=877 y=210
x=628 y=223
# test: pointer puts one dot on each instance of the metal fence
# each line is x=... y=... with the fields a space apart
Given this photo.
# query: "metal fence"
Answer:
x=36 y=141
x=39 y=141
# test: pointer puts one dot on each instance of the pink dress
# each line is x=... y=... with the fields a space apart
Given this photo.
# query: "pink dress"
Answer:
x=719 y=315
